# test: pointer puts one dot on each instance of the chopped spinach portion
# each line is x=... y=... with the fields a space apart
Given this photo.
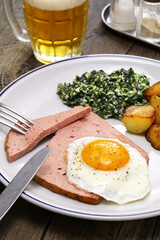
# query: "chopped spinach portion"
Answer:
x=108 y=94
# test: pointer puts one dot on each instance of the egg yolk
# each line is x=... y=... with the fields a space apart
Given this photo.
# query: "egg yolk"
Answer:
x=105 y=155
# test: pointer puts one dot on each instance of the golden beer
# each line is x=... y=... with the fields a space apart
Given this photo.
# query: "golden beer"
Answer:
x=56 y=27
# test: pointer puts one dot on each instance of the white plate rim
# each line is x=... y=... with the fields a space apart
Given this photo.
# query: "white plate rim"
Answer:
x=68 y=212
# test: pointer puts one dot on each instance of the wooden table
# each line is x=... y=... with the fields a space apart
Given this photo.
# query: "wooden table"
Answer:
x=27 y=221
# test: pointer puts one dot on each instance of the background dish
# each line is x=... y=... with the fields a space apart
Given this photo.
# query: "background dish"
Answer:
x=35 y=95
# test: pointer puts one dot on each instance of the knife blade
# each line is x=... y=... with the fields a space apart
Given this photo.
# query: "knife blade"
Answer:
x=21 y=180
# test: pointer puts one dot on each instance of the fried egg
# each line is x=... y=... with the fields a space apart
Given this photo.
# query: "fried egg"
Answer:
x=108 y=167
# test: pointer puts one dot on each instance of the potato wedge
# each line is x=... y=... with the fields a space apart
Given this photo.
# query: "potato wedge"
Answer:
x=155 y=102
x=153 y=136
x=153 y=90
x=137 y=119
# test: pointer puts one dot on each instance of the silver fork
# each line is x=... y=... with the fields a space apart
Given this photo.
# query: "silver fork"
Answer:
x=13 y=119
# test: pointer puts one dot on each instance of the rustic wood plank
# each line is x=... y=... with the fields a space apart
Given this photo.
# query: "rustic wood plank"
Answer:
x=14 y=65
x=24 y=221
x=145 y=50
x=81 y=229
x=85 y=229
x=140 y=229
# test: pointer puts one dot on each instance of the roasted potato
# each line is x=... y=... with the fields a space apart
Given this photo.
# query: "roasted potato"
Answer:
x=137 y=119
x=155 y=102
x=153 y=136
x=153 y=90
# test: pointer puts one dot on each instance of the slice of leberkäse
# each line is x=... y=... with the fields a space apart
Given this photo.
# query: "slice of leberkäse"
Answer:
x=17 y=145
x=52 y=174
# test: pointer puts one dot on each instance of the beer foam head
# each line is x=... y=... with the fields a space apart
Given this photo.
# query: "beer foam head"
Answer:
x=56 y=5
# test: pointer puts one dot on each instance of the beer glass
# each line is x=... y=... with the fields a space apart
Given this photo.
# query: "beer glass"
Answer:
x=55 y=28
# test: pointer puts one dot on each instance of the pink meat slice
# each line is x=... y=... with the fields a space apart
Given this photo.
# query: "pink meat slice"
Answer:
x=17 y=145
x=52 y=174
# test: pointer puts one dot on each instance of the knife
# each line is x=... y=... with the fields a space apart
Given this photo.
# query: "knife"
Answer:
x=21 y=180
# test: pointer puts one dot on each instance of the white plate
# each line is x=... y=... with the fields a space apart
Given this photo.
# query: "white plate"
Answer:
x=35 y=95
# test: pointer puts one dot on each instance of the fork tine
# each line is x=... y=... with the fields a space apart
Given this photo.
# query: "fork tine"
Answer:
x=16 y=113
x=14 y=117
x=12 y=126
x=15 y=122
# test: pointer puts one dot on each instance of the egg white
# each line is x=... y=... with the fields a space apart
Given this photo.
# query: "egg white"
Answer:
x=129 y=183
